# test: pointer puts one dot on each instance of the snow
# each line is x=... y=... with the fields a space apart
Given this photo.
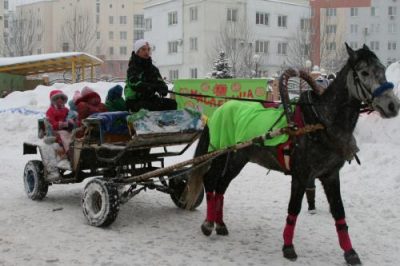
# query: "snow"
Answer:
x=6 y=61
x=150 y=230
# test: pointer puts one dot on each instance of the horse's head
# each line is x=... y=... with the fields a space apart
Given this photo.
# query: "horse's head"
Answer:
x=368 y=83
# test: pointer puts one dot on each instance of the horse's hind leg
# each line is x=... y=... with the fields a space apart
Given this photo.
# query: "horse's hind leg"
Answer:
x=332 y=190
x=296 y=197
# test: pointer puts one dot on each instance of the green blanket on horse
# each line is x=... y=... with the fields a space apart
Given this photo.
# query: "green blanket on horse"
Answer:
x=238 y=121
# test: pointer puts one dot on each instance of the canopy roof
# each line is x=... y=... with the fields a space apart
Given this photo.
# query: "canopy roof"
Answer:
x=47 y=63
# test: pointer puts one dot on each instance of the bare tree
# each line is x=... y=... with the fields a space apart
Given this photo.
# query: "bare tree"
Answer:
x=331 y=45
x=78 y=31
x=22 y=36
x=236 y=40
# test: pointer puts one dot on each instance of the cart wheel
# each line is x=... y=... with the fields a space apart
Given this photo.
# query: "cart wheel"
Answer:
x=35 y=186
x=178 y=187
x=100 y=202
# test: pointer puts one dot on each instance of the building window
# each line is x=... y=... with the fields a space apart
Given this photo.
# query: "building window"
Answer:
x=282 y=21
x=331 y=46
x=111 y=20
x=173 y=74
x=374 y=11
x=173 y=18
x=392 y=11
x=123 y=50
x=97 y=50
x=39 y=51
x=392 y=46
x=193 y=44
x=111 y=35
x=122 y=20
x=232 y=14
x=97 y=7
x=305 y=49
x=148 y=24
x=354 y=12
x=123 y=35
x=282 y=48
x=262 y=47
x=392 y=28
x=374 y=45
x=173 y=47
x=39 y=37
x=97 y=19
x=262 y=18
x=305 y=24
x=111 y=50
x=98 y=35
x=193 y=73
x=331 y=12
x=193 y=13
x=354 y=29
x=138 y=21
x=65 y=47
x=138 y=34
x=330 y=29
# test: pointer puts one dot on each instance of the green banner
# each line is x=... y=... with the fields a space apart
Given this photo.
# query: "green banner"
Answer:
x=238 y=88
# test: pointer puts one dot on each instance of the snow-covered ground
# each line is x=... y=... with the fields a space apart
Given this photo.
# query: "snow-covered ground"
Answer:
x=150 y=230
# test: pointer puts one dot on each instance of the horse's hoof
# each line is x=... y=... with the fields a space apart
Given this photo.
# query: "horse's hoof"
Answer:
x=352 y=258
x=289 y=252
x=221 y=229
x=207 y=227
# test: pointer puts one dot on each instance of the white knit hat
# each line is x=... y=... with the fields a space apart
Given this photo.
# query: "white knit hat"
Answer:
x=139 y=44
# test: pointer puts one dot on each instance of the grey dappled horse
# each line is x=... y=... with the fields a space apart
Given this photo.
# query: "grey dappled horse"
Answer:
x=317 y=155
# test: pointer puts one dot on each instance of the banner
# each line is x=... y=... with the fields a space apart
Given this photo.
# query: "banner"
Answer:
x=237 y=88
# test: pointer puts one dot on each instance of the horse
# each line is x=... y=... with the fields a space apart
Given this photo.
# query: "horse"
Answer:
x=320 y=154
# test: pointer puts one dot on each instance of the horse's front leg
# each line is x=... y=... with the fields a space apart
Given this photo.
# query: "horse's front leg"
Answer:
x=296 y=197
x=332 y=190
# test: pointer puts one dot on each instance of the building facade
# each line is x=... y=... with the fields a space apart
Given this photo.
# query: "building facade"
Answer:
x=106 y=28
x=375 y=23
x=185 y=33
x=3 y=23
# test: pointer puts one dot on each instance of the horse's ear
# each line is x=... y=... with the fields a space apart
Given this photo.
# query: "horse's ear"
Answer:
x=350 y=51
x=365 y=47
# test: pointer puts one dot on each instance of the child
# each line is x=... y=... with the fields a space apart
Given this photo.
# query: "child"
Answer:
x=89 y=103
x=57 y=117
x=73 y=112
x=114 y=100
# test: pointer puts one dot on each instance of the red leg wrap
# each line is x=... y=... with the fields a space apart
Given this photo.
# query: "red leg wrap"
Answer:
x=210 y=207
x=219 y=208
x=343 y=235
x=288 y=232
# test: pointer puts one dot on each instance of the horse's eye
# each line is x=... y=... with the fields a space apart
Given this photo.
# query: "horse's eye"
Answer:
x=365 y=73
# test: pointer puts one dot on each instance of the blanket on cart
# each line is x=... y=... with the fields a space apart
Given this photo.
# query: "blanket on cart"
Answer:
x=173 y=121
x=238 y=121
x=112 y=122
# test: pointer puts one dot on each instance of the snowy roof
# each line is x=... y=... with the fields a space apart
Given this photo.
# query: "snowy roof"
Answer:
x=46 y=63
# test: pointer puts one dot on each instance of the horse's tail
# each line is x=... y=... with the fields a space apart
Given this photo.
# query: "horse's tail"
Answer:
x=195 y=182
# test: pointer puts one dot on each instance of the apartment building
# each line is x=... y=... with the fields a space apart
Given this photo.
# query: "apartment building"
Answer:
x=184 y=32
x=106 y=28
x=375 y=23
x=3 y=23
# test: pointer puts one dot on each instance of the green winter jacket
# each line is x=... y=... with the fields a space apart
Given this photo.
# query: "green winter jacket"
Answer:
x=143 y=79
